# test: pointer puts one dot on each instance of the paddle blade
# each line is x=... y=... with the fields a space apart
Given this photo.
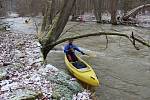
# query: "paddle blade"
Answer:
x=91 y=54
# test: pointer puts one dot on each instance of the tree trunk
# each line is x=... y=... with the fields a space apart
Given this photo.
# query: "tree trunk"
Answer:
x=57 y=28
x=74 y=14
x=1 y=5
x=52 y=13
x=113 y=11
x=97 y=10
x=44 y=18
x=134 y=11
x=47 y=20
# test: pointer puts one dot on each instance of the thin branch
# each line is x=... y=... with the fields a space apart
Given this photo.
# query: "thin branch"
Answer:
x=106 y=43
x=140 y=38
x=142 y=42
x=73 y=26
x=133 y=41
x=36 y=26
x=132 y=36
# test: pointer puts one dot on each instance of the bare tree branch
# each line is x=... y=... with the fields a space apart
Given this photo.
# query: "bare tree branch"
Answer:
x=142 y=42
x=88 y=35
x=73 y=26
x=133 y=41
x=107 y=42
x=36 y=26
x=101 y=33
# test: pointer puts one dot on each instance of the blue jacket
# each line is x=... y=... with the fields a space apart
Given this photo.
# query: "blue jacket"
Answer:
x=71 y=46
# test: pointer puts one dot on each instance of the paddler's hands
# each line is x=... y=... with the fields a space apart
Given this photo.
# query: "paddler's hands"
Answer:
x=83 y=53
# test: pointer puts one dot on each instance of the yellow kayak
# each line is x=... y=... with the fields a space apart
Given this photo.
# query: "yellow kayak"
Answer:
x=86 y=74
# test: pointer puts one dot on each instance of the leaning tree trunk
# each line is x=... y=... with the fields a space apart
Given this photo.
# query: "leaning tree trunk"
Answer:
x=134 y=11
x=113 y=11
x=97 y=10
x=46 y=15
x=50 y=12
x=56 y=29
x=74 y=14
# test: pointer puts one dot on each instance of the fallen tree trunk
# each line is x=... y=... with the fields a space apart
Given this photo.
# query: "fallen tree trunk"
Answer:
x=131 y=38
x=134 y=11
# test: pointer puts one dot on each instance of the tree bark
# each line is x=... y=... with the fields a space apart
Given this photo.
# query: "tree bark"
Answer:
x=56 y=29
x=52 y=13
x=47 y=20
x=74 y=14
x=113 y=11
x=97 y=10
x=134 y=11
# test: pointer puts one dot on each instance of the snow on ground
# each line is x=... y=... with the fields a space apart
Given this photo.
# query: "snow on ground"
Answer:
x=23 y=76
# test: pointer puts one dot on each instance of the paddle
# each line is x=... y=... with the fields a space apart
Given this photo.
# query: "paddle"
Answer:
x=90 y=53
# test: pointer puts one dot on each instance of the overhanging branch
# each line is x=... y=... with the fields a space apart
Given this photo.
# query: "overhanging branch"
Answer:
x=88 y=35
x=98 y=34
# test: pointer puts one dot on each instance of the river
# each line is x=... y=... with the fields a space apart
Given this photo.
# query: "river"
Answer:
x=123 y=72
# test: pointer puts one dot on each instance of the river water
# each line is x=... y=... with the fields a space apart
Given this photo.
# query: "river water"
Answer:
x=123 y=72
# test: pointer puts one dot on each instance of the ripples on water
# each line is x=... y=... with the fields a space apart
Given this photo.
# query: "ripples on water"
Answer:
x=144 y=20
x=123 y=71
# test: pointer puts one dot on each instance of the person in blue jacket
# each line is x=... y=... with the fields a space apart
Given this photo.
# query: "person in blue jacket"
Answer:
x=69 y=49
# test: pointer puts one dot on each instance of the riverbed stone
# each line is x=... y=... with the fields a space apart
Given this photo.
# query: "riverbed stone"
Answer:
x=64 y=88
x=56 y=95
x=25 y=94
x=3 y=74
x=17 y=65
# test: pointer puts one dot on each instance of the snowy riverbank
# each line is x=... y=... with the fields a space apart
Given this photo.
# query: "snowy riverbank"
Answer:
x=22 y=76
